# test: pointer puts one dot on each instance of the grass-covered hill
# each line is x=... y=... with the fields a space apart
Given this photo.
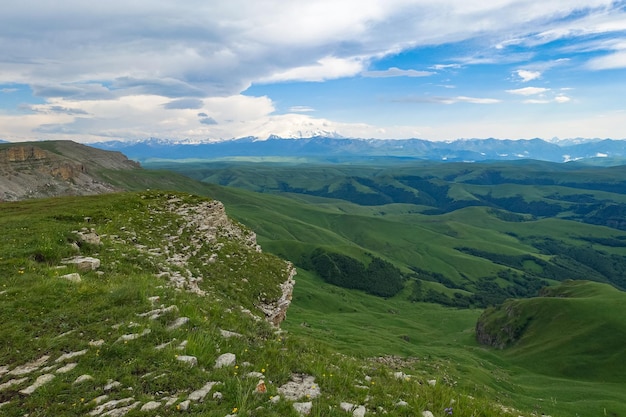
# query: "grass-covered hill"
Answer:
x=164 y=313
x=360 y=348
x=461 y=234
x=575 y=330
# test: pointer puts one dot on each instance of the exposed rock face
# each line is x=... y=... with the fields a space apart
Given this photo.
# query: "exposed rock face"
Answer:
x=501 y=326
x=62 y=168
x=276 y=311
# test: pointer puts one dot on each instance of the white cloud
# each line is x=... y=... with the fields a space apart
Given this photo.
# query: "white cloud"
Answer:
x=447 y=100
x=528 y=91
x=397 y=72
x=527 y=75
x=148 y=67
x=326 y=68
x=301 y=109
x=562 y=99
x=612 y=61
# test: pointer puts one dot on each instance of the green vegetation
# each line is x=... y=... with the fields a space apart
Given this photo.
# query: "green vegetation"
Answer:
x=574 y=330
x=100 y=326
x=450 y=234
x=378 y=278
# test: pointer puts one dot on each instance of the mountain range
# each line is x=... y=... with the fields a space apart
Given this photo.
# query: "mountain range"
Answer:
x=604 y=152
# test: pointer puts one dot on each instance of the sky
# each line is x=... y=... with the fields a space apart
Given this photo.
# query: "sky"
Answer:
x=220 y=69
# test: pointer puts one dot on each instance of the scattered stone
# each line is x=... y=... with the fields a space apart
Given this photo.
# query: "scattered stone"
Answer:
x=96 y=343
x=83 y=378
x=359 y=411
x=227 y=359
x=300 y=386
x=149 y=406
x=179 y=322
x=73 y=277
x=110 y=405
x=70 y=355
x=158 y=312
x=191 y=360
x=41 y=380
x=303 y=408
x=163 y=345
x=67 y=368
x=4 y=403
x=90 y=237
x=402 y=403
x=99 y=399
x=170 y=400
x=183 y=345
x=119 y=412
x=199 y=395
x=275 y=399
x=133 y=336
x=83 y=263
x=432 y=382
x=64 y=334
x=347 y=407
x=255 y=375
x=30 y=367
x=401 y=375
x=218 y=396
x=112 y=385
x=12 y=382
x=228 y=334
x=184 y=406
x=427 y=414
x=154 y=299
x=4 y=369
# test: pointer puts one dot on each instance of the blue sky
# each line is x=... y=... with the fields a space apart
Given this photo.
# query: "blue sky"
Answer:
x=198 y=70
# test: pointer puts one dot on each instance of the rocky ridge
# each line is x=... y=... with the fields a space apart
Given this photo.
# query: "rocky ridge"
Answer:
x=55 y=168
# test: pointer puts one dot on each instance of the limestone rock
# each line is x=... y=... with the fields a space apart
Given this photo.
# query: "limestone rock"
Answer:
x=83 y=378
x=227 y=359
x=70 y=355
x=199 y=395
x=41 y=380
x=427 y=414
x=300 y=386
x=179 y=322
x=151 y=405
x=303 y=409
x=359 y=411
x=83 y=263
x=191 y=360
x=30 y=367
x=73 y=277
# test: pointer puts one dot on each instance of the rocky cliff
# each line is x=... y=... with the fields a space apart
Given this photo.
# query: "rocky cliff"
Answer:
x=47 y=169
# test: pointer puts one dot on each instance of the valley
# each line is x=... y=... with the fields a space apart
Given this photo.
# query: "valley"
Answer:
x=461 y=239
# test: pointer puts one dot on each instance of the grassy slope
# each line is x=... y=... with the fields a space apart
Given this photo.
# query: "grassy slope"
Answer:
x=285 y=225
x=42 y=314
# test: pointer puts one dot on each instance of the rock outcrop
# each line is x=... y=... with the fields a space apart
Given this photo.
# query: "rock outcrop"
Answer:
x=47 y=169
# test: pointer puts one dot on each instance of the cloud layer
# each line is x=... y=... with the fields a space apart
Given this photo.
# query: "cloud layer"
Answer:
x=129 y=70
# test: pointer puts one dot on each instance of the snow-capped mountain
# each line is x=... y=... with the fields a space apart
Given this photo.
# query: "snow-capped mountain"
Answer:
x=466 y=150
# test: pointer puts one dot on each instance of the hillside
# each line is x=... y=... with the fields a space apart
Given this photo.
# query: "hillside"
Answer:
x=575 y=330
x=46 y=169
x=149 y=247
x=156 y=303
x=462 y=234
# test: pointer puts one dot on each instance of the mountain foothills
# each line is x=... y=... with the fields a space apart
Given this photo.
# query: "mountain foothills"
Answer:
x=424 y=288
